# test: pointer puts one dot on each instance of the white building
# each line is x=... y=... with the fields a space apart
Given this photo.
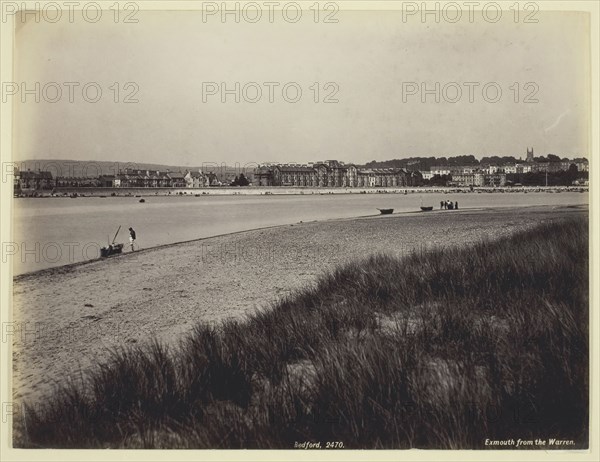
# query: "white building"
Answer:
x=582 y=166
x=523 y=168
x=196 y=180
x=468 y=179
x=440 y=170
x=490 y=169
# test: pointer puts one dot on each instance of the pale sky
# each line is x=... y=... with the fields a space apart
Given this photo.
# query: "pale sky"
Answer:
x=370 y=56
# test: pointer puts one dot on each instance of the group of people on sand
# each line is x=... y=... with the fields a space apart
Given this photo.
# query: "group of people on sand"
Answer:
x=448 y=205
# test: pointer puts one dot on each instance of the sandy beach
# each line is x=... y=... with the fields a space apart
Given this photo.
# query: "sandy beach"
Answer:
x=68 y=319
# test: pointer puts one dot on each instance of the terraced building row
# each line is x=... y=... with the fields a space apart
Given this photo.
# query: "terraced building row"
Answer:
x=332 y=173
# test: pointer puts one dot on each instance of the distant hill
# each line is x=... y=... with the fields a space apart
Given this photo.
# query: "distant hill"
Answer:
x=92 y=169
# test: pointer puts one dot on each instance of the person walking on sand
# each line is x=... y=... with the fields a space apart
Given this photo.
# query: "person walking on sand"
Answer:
x=441 y=205
x=131 y=238
x=456 y=205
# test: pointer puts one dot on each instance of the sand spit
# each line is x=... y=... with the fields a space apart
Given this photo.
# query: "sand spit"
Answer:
x=67 y=319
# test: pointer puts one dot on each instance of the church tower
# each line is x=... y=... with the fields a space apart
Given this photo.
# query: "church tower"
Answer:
x=529 y=155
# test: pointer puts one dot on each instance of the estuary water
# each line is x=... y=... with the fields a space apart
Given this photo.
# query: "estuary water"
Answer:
x=55 y=231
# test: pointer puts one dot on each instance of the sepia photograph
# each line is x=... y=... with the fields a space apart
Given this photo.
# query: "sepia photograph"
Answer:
x=302 y=226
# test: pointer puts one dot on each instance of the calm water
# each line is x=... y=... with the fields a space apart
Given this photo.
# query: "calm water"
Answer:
x=55 y=231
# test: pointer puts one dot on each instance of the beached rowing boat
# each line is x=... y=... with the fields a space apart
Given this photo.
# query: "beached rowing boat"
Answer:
x=386 y=211
x=112 y=248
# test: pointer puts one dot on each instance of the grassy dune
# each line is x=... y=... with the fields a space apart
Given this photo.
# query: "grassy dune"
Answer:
x=441 y=349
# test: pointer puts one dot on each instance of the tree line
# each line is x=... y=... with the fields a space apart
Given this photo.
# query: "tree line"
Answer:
x=425 y=163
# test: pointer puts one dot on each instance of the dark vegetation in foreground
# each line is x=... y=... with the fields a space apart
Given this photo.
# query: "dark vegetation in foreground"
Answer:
x=441 y=349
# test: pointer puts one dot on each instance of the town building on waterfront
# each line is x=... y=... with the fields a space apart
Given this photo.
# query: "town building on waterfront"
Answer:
x=479 y=178
x=178 y=179
x=443 y=170
x=131 y=178
x=333 y=174
x=29 y=180
x=196 y=180
x=77 y=182
x=468 y=179
x=495 y=179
